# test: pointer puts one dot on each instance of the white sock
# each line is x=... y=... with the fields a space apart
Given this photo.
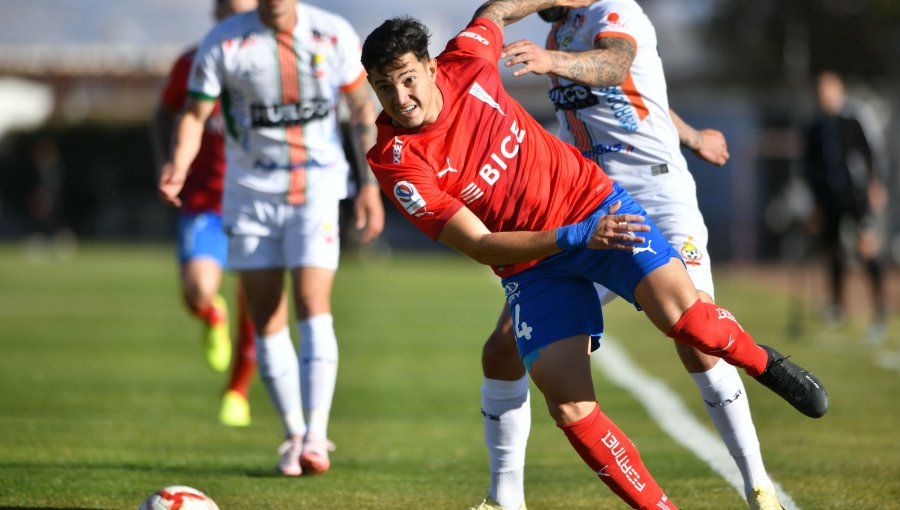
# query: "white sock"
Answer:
x=318 y=370
x=506 y=407
x=276 y=361
x=726 y=402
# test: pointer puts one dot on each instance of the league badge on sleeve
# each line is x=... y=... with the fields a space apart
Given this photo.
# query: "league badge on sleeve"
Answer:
x=408 y=196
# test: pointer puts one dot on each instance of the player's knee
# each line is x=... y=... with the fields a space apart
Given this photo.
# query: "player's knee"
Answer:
x=569 y=412
x=707 y=327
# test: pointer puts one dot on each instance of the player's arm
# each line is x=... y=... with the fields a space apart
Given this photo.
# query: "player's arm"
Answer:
x=606 y=65
x=466 y=233
x=708 y=144
x=161 y=130
x=188 y=136
x=506 y=12
x=368 y=206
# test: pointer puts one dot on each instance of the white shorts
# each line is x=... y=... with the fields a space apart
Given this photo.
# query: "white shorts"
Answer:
x=264 y=232
x=673 y=208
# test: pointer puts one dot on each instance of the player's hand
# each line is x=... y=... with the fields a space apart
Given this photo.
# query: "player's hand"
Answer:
x=534 y=59
x=618 y=231
x=170 y=184
x=713 y=148
x=369 y=212
x=598 y=231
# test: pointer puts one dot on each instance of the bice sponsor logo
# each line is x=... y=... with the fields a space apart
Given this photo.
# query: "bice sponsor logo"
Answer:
x=408 y=196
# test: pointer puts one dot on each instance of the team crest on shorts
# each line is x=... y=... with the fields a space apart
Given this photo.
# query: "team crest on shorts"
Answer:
x=690 y=253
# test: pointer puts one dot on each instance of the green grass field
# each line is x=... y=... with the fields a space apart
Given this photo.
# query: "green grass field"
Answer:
x=104 y=397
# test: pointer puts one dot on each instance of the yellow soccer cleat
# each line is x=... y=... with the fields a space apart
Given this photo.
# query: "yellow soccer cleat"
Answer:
x=235 y=411
x=490 y=504
x=764 y=499
x=217 y=340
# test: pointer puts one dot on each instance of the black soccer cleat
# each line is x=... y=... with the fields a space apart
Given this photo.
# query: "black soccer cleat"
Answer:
x=793 y=383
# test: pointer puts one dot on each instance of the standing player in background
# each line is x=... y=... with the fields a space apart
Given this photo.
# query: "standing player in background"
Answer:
x=609 y=92
x=201 y=242
x=844 y=167
x=281 y=72
x=471 y=168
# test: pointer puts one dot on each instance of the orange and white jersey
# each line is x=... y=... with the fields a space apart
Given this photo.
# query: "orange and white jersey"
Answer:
x=626 y=129
x=279 y=93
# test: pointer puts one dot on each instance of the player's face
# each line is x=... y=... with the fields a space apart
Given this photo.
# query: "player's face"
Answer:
x=228 y=8
x=408 y=91
x=274 y=9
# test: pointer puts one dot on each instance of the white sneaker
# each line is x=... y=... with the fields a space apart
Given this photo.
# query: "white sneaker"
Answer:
x=314 y=459
x=290 y=451
x=490 y=504
x=763 y=499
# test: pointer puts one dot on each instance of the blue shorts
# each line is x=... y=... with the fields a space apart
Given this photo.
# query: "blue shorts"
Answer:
x=556 y=298
x=201 y=236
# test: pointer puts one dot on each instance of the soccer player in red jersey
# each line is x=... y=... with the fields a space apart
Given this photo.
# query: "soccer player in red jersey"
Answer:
x=470 y=168
x=201 y=241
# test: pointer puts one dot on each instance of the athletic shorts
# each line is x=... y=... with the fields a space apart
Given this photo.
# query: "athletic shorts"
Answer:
x=201 y=236
x=671 y=202
x=264 y=232
x=556 y=298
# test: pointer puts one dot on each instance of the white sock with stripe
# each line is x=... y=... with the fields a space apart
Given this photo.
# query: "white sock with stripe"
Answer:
x=276 y=360
x=726 y=402
x=318 y=370
x=506 y=407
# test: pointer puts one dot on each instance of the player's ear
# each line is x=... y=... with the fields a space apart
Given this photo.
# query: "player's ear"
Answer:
x=431 y=65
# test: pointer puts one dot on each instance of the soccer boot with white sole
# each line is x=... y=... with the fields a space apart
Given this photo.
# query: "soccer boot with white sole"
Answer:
x=216 y=339
x=795 y=384
x=763 y=499
x=290 y=451
x=314 y=459
x=490 y=504
x=235 y=410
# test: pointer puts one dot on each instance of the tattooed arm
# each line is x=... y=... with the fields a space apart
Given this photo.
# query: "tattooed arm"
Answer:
x=708 y=144
x=604 y=66
x=507 y=12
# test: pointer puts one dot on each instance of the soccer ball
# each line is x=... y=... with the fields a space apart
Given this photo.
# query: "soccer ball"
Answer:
x=178 y=497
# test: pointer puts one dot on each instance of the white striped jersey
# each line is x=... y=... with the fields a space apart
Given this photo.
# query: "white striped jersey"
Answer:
x=626 y=129
x=279 y=93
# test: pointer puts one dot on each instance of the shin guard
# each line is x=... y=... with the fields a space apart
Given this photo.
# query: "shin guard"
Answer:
x=610 y=454
x=714 y=330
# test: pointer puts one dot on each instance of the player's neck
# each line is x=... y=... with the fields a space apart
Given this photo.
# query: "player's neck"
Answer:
x=280 y=22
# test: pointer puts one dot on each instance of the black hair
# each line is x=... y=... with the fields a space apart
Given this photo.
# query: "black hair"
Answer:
x=393 y=39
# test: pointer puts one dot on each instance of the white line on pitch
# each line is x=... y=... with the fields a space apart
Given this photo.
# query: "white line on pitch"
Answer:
x=667 y=409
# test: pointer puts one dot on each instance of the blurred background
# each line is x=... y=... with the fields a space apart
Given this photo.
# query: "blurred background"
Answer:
x=79 y=80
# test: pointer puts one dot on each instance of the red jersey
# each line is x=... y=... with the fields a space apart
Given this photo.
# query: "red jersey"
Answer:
x=484 y=152
x=203 y=188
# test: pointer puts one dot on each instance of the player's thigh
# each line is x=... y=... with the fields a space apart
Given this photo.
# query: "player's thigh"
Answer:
x=665 y=294
x=681 y=223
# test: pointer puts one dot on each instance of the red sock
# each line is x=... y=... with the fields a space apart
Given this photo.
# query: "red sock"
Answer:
x=211 y=315
x=609 y=452
x=714 y=330
x=245 y=362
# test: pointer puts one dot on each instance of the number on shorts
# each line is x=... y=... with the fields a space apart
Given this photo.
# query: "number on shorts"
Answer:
x=523 y=330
